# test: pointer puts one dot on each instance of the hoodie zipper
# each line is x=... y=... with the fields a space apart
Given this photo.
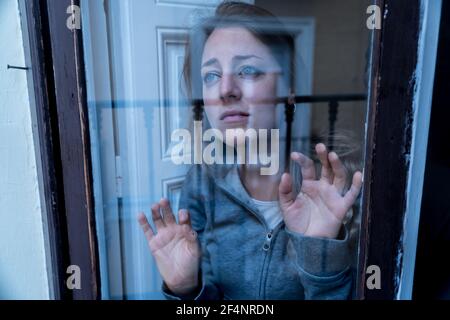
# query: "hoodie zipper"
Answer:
x=266 y=246
x=270 y=236
x=270 y=233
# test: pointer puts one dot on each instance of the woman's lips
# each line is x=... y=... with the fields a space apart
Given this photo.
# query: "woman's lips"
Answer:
x=234 y=116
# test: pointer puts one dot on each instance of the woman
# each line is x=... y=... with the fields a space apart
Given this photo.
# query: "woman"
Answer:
x=241 y=234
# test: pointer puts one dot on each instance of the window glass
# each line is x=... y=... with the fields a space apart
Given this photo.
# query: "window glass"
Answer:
x=248 y=117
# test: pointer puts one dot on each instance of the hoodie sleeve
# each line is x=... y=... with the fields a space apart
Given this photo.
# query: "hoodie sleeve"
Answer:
x=193 y=198
x=324 y=265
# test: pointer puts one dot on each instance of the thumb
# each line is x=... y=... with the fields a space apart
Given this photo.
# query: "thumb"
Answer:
x=285 y=191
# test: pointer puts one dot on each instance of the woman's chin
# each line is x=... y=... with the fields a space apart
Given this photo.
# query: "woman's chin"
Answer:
x=234 y=125
x=235 y=143
x=231 y=128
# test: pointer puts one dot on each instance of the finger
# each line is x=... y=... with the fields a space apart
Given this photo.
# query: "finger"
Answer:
x=306 y=165
x=322 y=154
x=285 y=190
x=339 y=172
x=167 y=213
x=353 y=192
x=193 y=235
x=190 y=233
x=143 y=222
x=184 y=217
x=156 y=216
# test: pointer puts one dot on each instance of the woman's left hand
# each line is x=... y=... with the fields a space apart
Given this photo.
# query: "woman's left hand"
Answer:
x=320 y=207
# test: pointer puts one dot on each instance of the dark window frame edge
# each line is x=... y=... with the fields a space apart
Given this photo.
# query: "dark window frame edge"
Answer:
x=57 y=69
x=388 y=146
x=46 y=139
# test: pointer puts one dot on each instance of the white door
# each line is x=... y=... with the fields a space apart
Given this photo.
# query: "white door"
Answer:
x=134 y=52
x=150 y=40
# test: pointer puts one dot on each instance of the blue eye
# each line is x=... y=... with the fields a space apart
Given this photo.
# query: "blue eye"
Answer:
x=250 y=72
x=210 y=77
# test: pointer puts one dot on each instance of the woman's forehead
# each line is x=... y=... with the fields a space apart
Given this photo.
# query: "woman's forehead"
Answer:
x=229 y=42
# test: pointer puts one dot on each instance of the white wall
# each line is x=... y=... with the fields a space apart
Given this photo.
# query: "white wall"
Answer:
x=23 y=272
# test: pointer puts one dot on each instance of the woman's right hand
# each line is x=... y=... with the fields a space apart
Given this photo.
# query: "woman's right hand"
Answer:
x=174 y=246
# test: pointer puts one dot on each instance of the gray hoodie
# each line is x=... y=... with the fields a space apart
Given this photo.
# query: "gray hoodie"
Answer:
x=243 y=259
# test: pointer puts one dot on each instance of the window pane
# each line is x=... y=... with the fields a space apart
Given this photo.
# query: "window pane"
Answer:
x=196 y=105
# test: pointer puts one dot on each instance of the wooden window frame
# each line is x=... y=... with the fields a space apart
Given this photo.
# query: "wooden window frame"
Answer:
x=402 y=76
x=60 y=90
x=57 y=69
x=388 y=141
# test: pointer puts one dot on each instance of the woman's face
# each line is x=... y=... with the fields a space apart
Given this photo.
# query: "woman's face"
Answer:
x=240 y=77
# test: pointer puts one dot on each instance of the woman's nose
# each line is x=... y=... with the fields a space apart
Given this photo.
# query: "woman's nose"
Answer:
x=229 y=88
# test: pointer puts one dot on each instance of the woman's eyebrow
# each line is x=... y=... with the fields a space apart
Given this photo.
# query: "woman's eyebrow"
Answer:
x=239 y=58
x=246 y=57
x=209 y=62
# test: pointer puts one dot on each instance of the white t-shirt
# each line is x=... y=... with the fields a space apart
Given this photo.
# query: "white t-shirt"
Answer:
x=271 y=212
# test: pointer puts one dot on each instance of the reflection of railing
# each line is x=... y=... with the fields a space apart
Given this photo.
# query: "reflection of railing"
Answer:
x=333 y=106
x=289 y=103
